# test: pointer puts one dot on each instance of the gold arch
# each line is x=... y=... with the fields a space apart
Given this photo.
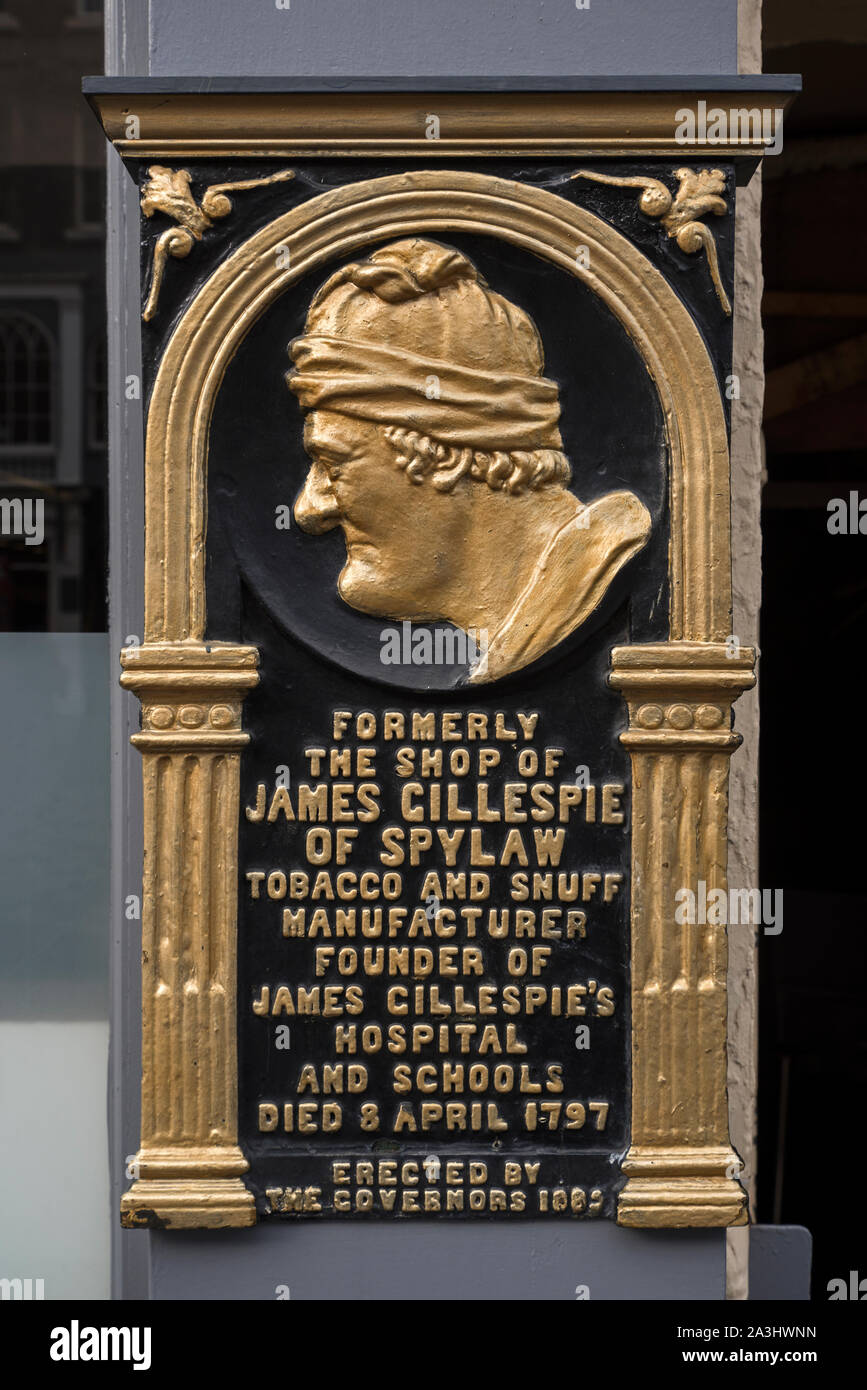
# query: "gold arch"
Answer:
x=336 y=223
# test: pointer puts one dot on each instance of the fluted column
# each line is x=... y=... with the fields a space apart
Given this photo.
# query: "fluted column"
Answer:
x=189 y=1165
x=681 y=1167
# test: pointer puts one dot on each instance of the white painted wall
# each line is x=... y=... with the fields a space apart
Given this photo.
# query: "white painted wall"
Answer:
x=54 y=1208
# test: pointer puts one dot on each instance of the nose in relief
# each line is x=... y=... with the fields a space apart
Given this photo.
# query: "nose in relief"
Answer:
x=316 y=508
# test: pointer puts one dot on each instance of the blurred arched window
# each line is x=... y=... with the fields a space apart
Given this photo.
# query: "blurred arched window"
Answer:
x=27 y=393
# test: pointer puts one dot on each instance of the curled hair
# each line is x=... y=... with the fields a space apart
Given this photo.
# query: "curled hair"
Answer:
x=446 y=464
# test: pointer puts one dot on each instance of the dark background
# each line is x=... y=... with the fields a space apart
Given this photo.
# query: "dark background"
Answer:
x=813 y=768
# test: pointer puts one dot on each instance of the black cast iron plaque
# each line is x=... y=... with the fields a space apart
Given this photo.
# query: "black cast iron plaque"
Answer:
x=433 y=921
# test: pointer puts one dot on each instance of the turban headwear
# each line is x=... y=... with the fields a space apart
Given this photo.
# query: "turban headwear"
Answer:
x=414 y=337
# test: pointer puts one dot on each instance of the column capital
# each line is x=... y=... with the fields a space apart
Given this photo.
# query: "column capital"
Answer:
x=680 y=694
x=178 y=665
x=191 y=693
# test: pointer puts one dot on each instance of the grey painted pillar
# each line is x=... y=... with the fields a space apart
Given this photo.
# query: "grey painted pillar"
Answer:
x=321 y=38
x=126 y=52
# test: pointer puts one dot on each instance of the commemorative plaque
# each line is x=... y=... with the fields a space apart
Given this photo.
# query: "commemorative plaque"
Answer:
x=437 y=672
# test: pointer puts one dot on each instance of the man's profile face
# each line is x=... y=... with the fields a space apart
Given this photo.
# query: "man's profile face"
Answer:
x=399 y=534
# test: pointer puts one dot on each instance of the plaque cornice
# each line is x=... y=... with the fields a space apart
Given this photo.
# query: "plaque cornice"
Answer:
x=624 y=118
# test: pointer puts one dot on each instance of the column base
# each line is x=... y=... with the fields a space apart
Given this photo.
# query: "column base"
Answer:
x=682 y=1187
x=187 y=1204
x=188 y=1188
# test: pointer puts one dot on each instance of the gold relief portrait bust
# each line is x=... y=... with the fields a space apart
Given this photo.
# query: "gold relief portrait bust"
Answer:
x=433 y=440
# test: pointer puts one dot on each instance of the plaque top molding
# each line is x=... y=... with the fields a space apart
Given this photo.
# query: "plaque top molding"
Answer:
x=498 y=116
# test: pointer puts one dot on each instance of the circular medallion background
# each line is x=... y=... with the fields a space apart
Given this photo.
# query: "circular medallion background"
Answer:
x=612 y=431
